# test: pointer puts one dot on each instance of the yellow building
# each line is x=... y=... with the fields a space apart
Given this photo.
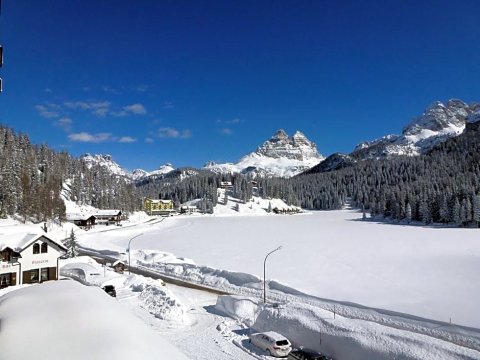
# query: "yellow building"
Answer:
x=158 y=207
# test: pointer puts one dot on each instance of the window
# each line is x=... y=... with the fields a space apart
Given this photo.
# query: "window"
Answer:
x=36 y=249
x=44 y=248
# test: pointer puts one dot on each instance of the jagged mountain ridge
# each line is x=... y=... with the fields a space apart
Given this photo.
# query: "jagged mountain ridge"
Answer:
x=106 y=161
x=438 y=123
x=280 y=156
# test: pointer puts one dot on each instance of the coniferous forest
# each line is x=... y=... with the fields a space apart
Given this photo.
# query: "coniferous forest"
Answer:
x=442 y=186
x=32 y=177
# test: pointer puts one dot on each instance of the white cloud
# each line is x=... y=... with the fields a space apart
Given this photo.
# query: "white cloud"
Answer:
x=127 y=139
x=142 y=88
x=172 y=133
x=137 y=109
x=48 y=111
x=92 y=138
x=149 y=140
x=134 y=109
x=110 y=90
x=97 y=108
x=233 y=121
x=226 y=131
x=65 y=123
x=168 y=105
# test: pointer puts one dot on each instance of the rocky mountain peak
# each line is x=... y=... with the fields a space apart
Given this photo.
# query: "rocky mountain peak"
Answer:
x=296 y=147
x=439 y=116
x=280 y=135
x=281 y=156
x=104 y=160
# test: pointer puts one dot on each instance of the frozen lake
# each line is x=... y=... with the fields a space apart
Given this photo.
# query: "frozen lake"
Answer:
x=429 y=272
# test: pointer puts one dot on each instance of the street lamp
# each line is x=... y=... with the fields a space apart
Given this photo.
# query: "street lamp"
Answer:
x=264 y=276
x=128 y=250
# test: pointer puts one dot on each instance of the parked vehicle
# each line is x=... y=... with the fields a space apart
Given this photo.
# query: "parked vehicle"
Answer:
x=110 y=290
x=273 y=343
x=306 y=354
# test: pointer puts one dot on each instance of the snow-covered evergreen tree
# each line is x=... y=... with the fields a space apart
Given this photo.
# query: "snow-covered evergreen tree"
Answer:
x=71 y=245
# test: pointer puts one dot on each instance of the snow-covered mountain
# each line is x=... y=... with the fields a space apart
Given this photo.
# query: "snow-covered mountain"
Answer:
x=438 y=123
x=139 y=174
x=106 y=161
x=282 y=155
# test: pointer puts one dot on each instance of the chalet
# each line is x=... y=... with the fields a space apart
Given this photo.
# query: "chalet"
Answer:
x=85 y=221
x=225 y=184
x=188 y=209
x=28 y=258
x=118 y=267
x=108 y=216
x=158 y=206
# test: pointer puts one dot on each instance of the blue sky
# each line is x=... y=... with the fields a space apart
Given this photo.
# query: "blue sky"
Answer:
x=185 y=82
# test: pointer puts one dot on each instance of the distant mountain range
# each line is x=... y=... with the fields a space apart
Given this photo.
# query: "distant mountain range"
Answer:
x=286 y=156
x=438 y=123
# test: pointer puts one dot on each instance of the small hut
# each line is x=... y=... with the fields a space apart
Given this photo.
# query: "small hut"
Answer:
x=118 y=267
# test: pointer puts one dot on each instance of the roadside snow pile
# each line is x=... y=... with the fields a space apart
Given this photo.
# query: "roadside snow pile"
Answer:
x=64 y=319
x=156 y=299
x=150 y=293
x=204 y=275
x=339 y=337
x=155 y=256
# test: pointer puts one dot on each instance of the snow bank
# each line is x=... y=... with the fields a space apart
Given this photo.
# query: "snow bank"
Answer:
x=339 y=337
x=64 y=319
x=150 y=293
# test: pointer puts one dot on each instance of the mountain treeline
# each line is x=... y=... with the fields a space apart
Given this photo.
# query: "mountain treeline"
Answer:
x=183 y=185
x=441 y=186
x=32 y=176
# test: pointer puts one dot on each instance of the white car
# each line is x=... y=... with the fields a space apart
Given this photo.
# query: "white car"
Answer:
x=273 y=343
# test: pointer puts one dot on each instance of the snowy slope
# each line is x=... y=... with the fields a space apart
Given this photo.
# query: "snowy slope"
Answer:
x=281 y=156
x=438 y=123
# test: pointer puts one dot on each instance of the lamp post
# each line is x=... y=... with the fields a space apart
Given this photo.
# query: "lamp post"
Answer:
x=128 y=250
x=264 y=274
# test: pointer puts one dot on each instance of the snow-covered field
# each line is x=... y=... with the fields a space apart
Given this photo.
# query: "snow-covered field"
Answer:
x=409 y=280
x=423 y=271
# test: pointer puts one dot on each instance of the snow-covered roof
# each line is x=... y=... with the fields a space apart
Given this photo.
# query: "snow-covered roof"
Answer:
x=19 y=241
x=160 y=201
x=106 y=212
x=78 y=216
x=118 y=262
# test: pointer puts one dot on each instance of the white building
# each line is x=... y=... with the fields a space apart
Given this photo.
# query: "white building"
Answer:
x=28 y=258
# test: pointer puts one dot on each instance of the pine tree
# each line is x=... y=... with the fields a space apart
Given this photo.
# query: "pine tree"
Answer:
x=408 y=213
x=476 y=209
x=444 y=211
x=456 y=212
x=71 y=245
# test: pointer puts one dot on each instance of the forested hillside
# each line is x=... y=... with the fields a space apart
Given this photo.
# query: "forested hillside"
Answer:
x=31 y=179
x=441 y=186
